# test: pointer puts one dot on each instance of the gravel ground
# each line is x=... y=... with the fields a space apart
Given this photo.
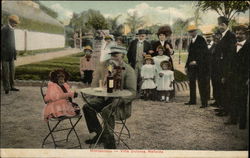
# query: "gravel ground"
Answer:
x=153 y=125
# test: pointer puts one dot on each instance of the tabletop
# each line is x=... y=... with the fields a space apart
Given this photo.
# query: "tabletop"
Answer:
x=102 y=92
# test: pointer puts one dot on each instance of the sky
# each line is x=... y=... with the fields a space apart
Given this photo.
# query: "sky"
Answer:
x=153 y=12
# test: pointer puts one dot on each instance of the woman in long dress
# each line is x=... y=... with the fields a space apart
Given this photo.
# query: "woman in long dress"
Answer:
x=164 y=34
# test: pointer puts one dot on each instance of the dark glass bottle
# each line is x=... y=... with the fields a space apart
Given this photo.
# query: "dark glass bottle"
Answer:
x=110 y=83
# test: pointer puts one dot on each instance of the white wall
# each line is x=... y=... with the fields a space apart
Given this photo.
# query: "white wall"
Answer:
x=38 y=40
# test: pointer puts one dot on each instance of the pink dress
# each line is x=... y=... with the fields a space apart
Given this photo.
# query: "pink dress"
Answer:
x=58 y=103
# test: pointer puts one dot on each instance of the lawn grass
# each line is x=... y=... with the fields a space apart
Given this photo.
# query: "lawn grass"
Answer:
x=183 y=54
x=41 y=70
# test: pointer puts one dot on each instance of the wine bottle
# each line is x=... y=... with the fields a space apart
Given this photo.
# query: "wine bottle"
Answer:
x=110 y=83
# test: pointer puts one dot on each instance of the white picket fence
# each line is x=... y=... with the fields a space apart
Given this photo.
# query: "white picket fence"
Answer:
x=28 y=40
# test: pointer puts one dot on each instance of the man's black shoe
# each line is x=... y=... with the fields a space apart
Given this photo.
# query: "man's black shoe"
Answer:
x=189 y=103
x=242 y=126
x=230 y=122
x=218 y=110
x=203 y=106
x=221 y=114
x=14 y=89
x=93 y=140
x=6 y=92
x=214 y=104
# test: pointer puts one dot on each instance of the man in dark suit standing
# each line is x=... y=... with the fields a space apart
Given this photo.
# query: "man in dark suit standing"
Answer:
x=197 y=67
x=8 y=54
x=136 y=51
x=240 y=78
x=210 y=45
x=215 y=69
x=226 y=46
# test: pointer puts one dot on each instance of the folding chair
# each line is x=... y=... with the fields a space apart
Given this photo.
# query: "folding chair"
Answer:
x=53 y=128
x=122 y=113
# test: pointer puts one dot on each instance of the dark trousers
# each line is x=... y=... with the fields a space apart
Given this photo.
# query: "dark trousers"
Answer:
x=238 y=108
x=8 y=74
x=217 y=88
x=88 y=76
x=226 y=94
x=98 y=104
x=193 y=75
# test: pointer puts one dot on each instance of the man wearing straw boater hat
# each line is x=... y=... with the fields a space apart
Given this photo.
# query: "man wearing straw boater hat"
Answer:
x=8 y=53
x=197 y=67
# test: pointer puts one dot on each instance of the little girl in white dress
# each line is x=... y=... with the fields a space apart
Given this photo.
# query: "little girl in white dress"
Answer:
x=166 y=80
x=158 y=59
x=148 y=72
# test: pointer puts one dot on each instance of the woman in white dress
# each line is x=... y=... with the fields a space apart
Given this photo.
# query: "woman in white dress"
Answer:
x=166 y=80
x=148 y=72
x=158 y=59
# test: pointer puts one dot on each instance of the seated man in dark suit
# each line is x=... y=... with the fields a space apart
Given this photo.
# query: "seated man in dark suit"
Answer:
x=97 y=104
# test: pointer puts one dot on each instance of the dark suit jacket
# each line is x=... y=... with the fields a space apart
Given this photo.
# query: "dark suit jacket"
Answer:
x=8 y=46
x=132 y=51
x=198 y=51
x=240 y=65
x=227 y=47
x=166 y=51
x=215 y=61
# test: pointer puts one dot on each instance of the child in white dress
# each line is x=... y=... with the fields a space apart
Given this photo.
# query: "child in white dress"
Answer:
x=158 y=59
x=166 y=80
x=148 y=72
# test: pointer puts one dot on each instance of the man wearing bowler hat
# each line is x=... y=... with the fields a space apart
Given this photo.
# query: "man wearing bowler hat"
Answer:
x=197 y=67
x=138 y=48
x=8 y=54
x=226 y=46
x=98 y=104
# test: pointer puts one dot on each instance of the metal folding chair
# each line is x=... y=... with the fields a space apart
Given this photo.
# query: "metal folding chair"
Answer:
x=121 y=118
x=53 y=128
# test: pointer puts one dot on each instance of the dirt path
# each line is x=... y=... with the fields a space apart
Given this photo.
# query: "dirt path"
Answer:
x=45 y=56
x=153 y=125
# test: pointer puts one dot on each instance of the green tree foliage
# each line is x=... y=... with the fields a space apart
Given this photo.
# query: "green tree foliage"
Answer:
x=114 y=27
x=224 y=8
x=179 y=26
x=88 y=20
x=97 y=21
x=134 y=21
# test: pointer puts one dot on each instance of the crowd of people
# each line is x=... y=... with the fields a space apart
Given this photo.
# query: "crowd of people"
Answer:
x=221 y=57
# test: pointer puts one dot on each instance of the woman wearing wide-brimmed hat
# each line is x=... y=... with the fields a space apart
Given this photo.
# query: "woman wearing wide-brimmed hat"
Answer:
x=59 y=96
x=163 y=34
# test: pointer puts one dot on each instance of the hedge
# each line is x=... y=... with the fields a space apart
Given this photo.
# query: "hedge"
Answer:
x=36 y=26
x=41 y=70
x=33 y=52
